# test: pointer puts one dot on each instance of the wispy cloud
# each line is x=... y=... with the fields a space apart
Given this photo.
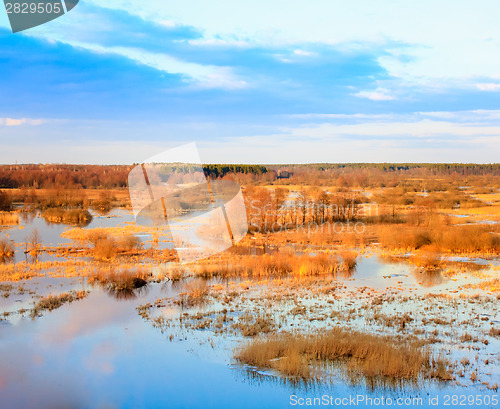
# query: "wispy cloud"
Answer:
x=20 y=121
x=295 y=89
x=379 y=94
x=489 y=86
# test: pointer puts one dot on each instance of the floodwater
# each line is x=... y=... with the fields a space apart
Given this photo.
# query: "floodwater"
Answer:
x=99 y=353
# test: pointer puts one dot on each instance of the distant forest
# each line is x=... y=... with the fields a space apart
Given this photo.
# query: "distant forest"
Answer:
x=115 y=176
x=466 y=169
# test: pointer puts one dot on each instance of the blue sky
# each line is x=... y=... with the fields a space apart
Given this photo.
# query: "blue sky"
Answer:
x=255 y=82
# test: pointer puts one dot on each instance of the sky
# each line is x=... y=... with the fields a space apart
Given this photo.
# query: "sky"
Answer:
x=118 y=81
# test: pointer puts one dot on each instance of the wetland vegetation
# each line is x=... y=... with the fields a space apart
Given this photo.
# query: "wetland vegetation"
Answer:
x=362 y=275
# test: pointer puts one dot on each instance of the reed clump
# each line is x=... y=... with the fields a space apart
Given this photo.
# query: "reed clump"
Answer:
x=120 y=280
x=494 y=332
x=276 y=265
x=5 y=201
x=129 y=242
x=251 y=325
x=52 y=302
x=459 y=239
x=78 y=217
x=106 y=247
x=196 y=293
x=176 y=273
x=9 y=218
x=371 y=356
x=7 y=249
x=428 y=261
x=349 y=260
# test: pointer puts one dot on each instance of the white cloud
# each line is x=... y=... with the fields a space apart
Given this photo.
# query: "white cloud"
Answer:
x=304 y=53
x=20 y=121
x=379 y=94
x=220 y=42
x=417 y=137
x=205 y=76
x=445 y=40
x=341 y=116
x=488 y=87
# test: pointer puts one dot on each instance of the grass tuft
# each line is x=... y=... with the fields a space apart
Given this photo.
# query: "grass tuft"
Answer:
x=370 y=356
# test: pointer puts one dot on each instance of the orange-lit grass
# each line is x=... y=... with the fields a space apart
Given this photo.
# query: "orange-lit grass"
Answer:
x=7 y=218
x=458 y=239
x=120 y=280
x=277 y=265
x=6 y=249
x=52 y=302
x=196 y=293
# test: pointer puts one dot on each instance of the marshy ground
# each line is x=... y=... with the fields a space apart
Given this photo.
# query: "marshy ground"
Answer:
x=409 y=304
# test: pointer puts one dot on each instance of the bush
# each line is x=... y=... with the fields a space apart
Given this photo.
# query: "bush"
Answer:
x=129 y=242
x=105 y=248
x=75 y=216
x=104 y=204
x=121 y=284
x=7 y=218
x=6 y=249
x=5 y=201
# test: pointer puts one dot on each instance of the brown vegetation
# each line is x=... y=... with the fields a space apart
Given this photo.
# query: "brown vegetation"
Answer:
x=196 y=292
x=33 y=244
x=7 y=218
x=73 y=216
x=451 y=238
x=120 y=283
x=372 y=356
x=5 y=201
x=52 y=302
x=6 y=250
x=278 y=265
x=107 y=248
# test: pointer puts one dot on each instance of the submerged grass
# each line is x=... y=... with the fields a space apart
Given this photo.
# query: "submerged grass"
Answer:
x=196 y=293
x=52 y=302
x=370 y=356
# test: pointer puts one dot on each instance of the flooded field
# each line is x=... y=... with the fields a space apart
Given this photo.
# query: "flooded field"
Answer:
x=85 y=332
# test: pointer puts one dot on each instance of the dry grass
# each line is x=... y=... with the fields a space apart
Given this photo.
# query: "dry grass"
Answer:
x=459 y=239
x=251 y=325
x=349 y=260
x=34 y=244
x=493 y=210
x=120 y=280
x=276 y=265
x=52 y=302
x=371 y=356
x=104 y=203
x=74 y=216
x=427 y=261
x=129 y=242
x=196 y=293
x=7 y=249
x=7 y=218
x=494 y=332
x=105 y=249
x=176 y=273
